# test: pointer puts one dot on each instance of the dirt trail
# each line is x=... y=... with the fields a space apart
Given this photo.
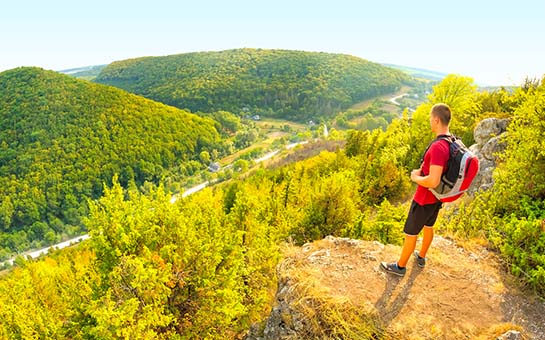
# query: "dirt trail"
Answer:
x=459 y=295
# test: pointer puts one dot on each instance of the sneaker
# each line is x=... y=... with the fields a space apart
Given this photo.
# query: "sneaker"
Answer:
x=420 y=261
x=393 y=268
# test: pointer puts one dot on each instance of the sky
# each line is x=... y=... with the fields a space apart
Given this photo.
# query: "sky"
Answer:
x=494 y=42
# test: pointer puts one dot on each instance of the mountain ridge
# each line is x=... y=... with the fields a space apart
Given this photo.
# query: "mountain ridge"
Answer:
x=63 y=138
x=295 y=85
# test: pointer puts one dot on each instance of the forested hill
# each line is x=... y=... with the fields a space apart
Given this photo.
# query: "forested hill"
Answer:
x=294 y=85
x=62 y=138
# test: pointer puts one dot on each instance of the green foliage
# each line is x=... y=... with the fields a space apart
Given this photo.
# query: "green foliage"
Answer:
x=523 y=164
x=499 y=103
x=370 y=118
x=460 y=94
x=193 y=268
x=285 y=84
x=382 y=161
x=62 y=138
x=383 y=223
x=229 y=123
x=511 y=215
x=521 y=241
x=204 y=267
x=46 y=299
x=334 y=205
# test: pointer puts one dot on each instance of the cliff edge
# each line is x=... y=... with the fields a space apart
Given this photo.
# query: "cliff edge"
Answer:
x=334 y=289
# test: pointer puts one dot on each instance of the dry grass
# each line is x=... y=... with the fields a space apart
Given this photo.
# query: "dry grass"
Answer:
x=326 y=315
x=336 y=291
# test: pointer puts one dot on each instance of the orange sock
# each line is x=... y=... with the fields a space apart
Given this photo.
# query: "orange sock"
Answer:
x=408 y=248
x=426 y=241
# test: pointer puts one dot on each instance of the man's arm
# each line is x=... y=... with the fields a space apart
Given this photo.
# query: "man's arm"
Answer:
x=430 y=181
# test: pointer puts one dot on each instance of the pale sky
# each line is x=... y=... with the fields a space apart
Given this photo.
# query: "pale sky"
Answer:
x=495 y=42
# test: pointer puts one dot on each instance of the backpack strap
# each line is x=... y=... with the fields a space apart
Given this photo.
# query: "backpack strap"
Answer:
x=449 y=138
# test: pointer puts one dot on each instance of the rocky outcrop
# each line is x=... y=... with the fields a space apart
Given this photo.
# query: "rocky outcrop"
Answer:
x=334 y=289
x=511 y=335
x=488 y=136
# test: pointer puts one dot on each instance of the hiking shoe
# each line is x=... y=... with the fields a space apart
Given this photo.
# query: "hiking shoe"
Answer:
x=393 y=268
x=420 y=261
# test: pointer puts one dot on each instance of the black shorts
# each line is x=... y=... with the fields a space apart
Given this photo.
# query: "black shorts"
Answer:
x=420 y=216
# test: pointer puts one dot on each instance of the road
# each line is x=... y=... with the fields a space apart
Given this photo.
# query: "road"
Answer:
x=393 y=100
x=36 y=253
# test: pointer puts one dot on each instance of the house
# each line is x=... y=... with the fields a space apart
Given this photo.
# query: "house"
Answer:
x=214 y=167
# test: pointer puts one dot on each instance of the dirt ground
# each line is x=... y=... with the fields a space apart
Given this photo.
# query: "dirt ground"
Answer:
x=458 y=295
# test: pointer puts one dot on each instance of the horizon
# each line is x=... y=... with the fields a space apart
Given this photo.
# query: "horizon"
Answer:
x=495 y=44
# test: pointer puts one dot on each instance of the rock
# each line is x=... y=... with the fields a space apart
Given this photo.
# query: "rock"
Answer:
x=502 y=124
x=486 y=129
x=488 y=136
x=511 y=335
x=489 y=128
x=284 y=321
x=484 y=179
x=475 y=148
x=494 y=146
x=349 y=294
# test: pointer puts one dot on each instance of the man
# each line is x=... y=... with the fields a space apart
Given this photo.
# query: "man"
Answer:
x=425 y=206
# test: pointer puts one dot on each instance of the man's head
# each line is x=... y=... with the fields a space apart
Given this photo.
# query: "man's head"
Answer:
x=440 y=117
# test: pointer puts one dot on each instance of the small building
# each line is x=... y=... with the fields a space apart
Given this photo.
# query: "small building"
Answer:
x=214 y=167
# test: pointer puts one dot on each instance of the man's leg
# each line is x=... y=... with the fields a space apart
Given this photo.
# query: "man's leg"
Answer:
x=426 y=241
x=408 y=249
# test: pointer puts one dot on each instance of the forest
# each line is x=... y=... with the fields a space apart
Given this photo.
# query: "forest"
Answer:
x=204 y=267
x=61 y=139
x=292 y=85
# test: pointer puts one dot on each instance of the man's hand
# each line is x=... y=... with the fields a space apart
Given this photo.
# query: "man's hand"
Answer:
x=415 y=173
x=429 y=181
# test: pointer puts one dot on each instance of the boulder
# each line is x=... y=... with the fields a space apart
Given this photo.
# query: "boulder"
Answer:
x=494 y=146
x=488 y=135
x=511 y=335
x=483 y=180
x=488 y=128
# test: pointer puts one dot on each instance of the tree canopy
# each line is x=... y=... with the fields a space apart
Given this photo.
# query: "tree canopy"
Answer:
x=294 y=85
x=204 y=266
x=62 y=138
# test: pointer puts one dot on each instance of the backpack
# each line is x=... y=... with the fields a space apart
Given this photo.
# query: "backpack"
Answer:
x=462 y=167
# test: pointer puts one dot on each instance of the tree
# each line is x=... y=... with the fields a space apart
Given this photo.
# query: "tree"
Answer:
x=204 y=157
x=460 y=94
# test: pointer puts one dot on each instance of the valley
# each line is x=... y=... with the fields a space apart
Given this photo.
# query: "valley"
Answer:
x=187 y=180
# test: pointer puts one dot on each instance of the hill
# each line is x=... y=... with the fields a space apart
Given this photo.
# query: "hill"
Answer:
x=205 y=265
x=334 y=289
x=61 y=139
x=286 y=84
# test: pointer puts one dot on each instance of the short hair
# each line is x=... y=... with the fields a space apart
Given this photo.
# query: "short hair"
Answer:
x=441 y=111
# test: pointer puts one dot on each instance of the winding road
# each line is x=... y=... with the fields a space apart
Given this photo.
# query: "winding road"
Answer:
x=36 y=253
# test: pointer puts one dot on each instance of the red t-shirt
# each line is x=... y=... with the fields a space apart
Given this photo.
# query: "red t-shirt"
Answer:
x=437 y=154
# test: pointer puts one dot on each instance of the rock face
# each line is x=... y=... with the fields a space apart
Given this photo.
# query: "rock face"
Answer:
x=488 y=136
x=334 y=289
x=511 y=335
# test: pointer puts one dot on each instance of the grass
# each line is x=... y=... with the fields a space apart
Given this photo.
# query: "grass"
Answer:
x=278 y=124
x=264 y=144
